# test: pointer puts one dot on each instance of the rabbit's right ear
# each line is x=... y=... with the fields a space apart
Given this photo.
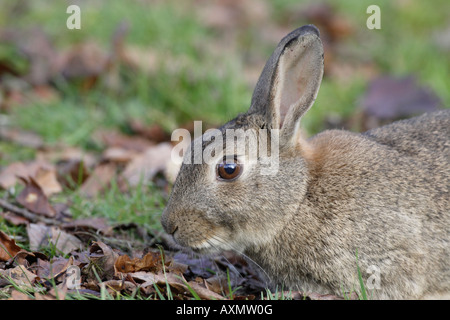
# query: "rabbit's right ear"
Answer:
x=290 y=81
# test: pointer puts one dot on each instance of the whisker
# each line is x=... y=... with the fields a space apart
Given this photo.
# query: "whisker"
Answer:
x=218 y=239
x=232 y=267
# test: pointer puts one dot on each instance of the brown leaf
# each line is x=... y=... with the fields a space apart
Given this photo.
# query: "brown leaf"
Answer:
x=154 y=132
x=99 y=179
x=146 y=165
x=388 y=99
x=20 y=137
x=72 y=173
x=143 y=59
x=36 y=46
x=54 y=268
x=17 y=295
x=102 y=258
x=217 y=284
x=41 y=235
x=8 y=247
x=8 y=176
x=84 y=61
x=113 y=138
x=118 y=155
x=177 y=283
x=96 y=224
x=115 y=286
x=150 y=262
x=42 y=172
x=14 y=218
x=61 y=154
x=26 y=259
x=22 y=277
x=47 y=180
x=33 y=198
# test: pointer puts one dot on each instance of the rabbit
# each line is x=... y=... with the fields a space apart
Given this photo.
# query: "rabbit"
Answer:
x=341 y=206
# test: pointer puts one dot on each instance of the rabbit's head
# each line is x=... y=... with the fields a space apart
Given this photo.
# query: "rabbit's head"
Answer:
x=256 y=169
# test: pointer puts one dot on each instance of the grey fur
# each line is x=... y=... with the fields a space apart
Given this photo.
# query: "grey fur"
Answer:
x=384 y=193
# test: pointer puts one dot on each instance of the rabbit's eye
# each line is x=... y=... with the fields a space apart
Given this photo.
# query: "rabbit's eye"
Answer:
x=228 y=171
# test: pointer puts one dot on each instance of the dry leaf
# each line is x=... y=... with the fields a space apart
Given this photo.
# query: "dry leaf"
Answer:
x=176 y=283
x=20 y=276
x=113 y=138
x=118 y=155
x=150 y=262
x=102 y=257
x=8 y=176
x=26 y=259
x=100 y=178
x=33 y=198
x=72 y=173
x=145 y=166
x=8 y=247
x=17 y=295
x=99 y=225
x=118 y=285
x=47 y=180
x=42 y=172
x=41 y=235
x=154 y=132
x=388 y=99
x=63 y=154
x=20 y=137
x=14 y=218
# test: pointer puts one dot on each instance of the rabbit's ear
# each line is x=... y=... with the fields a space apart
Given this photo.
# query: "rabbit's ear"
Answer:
x=290 y=81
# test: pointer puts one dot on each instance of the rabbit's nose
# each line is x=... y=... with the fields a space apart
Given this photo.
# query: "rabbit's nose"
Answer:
x=168 y=224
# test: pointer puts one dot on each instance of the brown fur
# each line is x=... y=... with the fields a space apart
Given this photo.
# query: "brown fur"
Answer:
x=383 y=194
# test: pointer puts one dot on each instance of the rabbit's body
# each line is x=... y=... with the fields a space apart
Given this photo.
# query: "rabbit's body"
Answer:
x=383 y=194
x=388 y=199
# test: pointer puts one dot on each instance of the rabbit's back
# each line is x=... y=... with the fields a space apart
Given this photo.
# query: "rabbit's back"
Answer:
x=388 y=188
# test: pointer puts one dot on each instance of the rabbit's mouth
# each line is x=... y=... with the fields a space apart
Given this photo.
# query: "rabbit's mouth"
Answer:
x=210 y=244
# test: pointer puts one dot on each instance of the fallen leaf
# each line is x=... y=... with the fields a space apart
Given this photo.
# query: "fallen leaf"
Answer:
x=72 y=173
x=146 y=165
x=388 y=99
x=33 y=198
x=41 y=235
x=176 y=282
x=21 y=277
x=26 y=258
x=150 y=262
x=62 y=153
x=85 y=60
x=102 y=258
x=8 y=176
x=153 y=132
x=8 y=247
x=115 y=286
x=21 y=137
x=14 y=218
x=35 y=45
x=47 y=179
x=98 y=225
x=113 y=138
x=43 y=173
x=53 y=268
x=99 y=179
x=118 y=155
x=17 y=295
